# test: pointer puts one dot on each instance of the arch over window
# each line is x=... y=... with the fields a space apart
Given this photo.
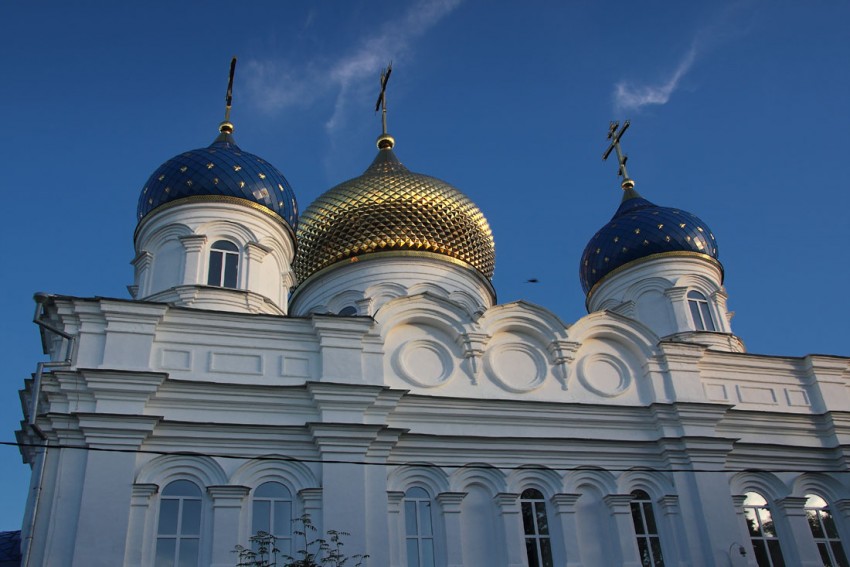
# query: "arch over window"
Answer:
x=700 y=312
x=762 y=531
x=178 y=534
x=224 y=264
x=418 y=528
x=824 y=532
x=272 y=513
x=648 y=538
x=538 y=547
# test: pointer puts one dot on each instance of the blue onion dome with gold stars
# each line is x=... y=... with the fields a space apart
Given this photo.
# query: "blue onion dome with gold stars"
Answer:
x=392 y=209
x=641 y=230
x=221 y=172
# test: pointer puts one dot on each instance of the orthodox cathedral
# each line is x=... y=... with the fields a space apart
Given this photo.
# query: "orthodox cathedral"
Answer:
x=350 y=362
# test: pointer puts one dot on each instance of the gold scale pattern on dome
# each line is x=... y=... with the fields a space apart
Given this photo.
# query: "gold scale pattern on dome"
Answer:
x=390 y=208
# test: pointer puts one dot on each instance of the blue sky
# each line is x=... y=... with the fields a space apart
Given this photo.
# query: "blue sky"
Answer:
x=739 y=114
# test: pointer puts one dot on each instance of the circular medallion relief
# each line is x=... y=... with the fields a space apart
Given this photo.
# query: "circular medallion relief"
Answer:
x=423 y=363
x=604 y=374
x=516 y=367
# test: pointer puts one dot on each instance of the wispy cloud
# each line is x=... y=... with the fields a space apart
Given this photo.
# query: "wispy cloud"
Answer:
x=629 y=96
x=277 y=85
x=731 y=21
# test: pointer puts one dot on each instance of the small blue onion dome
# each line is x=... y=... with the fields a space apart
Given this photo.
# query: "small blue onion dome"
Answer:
x=220 y=172
x=638 y=230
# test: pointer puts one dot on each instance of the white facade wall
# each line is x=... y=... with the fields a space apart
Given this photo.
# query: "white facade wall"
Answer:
x=350 y=413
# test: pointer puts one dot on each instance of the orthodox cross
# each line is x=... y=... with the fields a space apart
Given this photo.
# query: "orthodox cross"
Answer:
x=614 y=134
x=381 y=104
x=228 y=99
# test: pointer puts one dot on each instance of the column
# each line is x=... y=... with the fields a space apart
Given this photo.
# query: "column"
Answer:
x=254 y=254
x=510 y=511
x=194 y=245
x=311 y=499
x=139 y=531
x=565 y=509
x=676 y=295
x=396 y=528
x=745 y=542
x=226 y=510
x=672 y=532
x=620 y=507
x=798 y=545
x=450 y=505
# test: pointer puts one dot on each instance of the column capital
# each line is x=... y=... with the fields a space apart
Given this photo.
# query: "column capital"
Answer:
x=450 y=501
x=257 y=251
x=144 y=490
x=792 y=505
x=193 y=242
x=508 y=502
x=394 y=497
x=669 y=504
x=619 y=503
x=565 y=502
x=228 y=496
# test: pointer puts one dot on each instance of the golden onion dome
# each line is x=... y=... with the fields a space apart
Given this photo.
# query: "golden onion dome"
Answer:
x=390 y=208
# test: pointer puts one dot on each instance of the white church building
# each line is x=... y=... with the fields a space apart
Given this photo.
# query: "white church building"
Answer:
x=351 y=362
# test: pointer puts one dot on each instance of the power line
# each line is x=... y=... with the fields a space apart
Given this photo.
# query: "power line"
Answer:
x=284 y=458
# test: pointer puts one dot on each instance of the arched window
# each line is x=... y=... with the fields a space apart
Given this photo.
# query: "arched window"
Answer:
x=648 y=540
x=825 y=532
x=224 y=264
x=178 y=535
x=272 y=513
x=418 y=528
x=538 y=548
x=762 y=531
x=700 y=312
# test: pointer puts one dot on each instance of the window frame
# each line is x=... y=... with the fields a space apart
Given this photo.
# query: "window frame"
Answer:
x=646 y=532
x=178 y=536
x=419 y=497
x=825 y=542
x=227 y=251
x=758 y=512
x=281 y=537
x=700 y=310
x=531 y=501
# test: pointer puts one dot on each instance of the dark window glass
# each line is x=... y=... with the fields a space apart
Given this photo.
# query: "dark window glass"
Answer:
x=700 y=312
x=179 y=526
x=223 y=265
x=272 y=513
x=762 y=533
x=824 y=532
x=536 y=526
x=648 y=539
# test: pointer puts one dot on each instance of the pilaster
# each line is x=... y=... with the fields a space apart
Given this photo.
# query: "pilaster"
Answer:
x=620 y=507
x=227 y=505
x=565 y=509
x=193 y=244
x=141 y=527
x=450 y=505
x=798 y=546
x=510 y=511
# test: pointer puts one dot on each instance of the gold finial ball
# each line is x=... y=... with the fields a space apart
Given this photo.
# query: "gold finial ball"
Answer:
x=225 y=127
x=627 y=184
x=385 y=142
